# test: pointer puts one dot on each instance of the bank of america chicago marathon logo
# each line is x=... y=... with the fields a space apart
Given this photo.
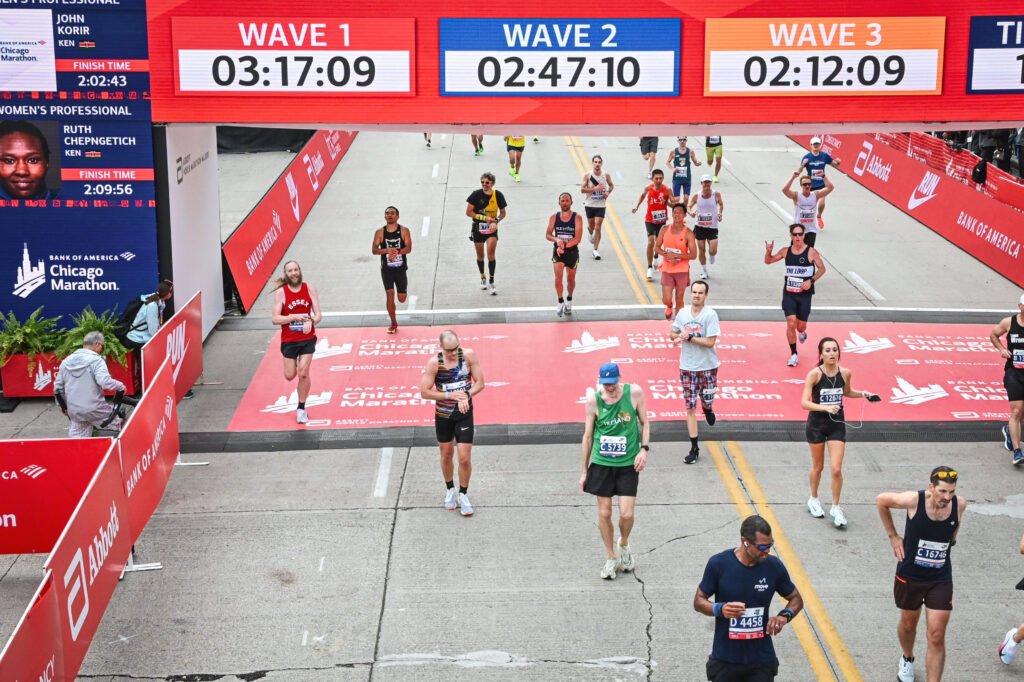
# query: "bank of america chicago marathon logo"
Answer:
x=858 y=344
x=32 y=471
x=289 y=403
x=66 y=272
x=43 y=378
x=587 y=343
x=906 y=393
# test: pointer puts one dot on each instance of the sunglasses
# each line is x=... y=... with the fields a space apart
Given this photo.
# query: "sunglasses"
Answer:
x=796 y=234
x=805 y=184
x=761 y=548
x=945 y=475
x=486 y=182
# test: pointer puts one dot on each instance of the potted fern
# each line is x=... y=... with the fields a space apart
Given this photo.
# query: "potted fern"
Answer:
x=27 y=361
x=121 y=363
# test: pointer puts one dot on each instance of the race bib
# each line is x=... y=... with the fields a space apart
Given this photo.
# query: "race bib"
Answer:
x=808 y=216
x=395 y=261
x=1018 y=358
x=301 y=327
x=659 y=215
x=694 y=330
x=931 y=554
x=487 y=228
x=832 y=396
x=714 y=141
x=455 y=386
x=599 y=194
x=794 y=285
x=674 y=252
x=682 y=171
x=817 y=173
x=705 y=219
x=612 y=446
x=748 y=626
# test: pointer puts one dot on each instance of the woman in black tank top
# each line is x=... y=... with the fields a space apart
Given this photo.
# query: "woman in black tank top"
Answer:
x=824 y=389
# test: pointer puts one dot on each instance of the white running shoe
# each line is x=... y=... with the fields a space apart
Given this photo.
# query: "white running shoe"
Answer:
x=449 y=499
x=568 y=307
x=650 y=274
x=1008 y=648
x=494 y=290
x=561 y=309
x=590 y=237
x=905 y=671
x=610 y=570
x=814 y=507
x=465 y=508
x=704 y=272
x=597 y=256
x=793 y=359
x=483 y=284
x=711 y=258
x=838 y=517
x=626 y=559
x=802 y=336
x=301 y=416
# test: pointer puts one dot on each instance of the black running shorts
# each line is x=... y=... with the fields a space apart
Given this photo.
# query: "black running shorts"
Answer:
x=653 y=228
x=821 y=427
x=797 y=304
x=594 y=211
x=293 y=349
x=570 y=257
x=394 y=278
x=724 y=671
x=703 y=234
x=909 y=595
x=1013 y=381
x=458 y=427
x=606 y=481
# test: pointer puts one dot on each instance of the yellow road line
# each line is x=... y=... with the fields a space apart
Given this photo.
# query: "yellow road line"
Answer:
x=623 y=261
x=812 y=603
x=812 y=649
x=613 y=217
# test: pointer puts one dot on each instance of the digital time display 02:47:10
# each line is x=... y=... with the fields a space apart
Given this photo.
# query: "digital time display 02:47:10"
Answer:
x=558 y=72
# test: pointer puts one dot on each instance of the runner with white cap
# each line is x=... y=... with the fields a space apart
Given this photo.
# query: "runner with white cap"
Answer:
x=706 y=208
x=813 y=163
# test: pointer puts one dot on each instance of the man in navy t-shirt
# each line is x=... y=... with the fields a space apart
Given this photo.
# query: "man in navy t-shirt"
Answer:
x=743 y=582
x=813 y=163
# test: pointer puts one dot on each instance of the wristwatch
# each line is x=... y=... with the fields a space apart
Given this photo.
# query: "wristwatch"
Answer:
x=645 y=447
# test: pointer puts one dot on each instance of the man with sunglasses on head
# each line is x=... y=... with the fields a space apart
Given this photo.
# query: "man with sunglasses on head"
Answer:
x=452 y=378
x=743 y=582
x=805 y=203
x=804 y=267
x=924 y=574
x=486 y=206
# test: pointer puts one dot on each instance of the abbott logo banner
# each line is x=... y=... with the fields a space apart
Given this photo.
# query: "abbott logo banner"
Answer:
x=868 y=162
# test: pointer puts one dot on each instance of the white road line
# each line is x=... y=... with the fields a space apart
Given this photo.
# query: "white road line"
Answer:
x=527 y=309
x=618 y=175
x=727 y=161
x=383 y=471
x=305 y=637
x=785 y=214
x=322 y=559
x=412 y=303
x=859 y=282
x=437 y=167
x=426 y=226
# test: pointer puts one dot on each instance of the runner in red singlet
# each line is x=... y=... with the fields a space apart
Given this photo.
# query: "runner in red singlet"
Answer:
x=297 y=310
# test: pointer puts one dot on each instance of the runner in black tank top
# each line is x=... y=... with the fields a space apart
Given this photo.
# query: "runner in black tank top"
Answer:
x=565 y=230
x=804 y=266
x=451 y=379
x=824 y=389
x=924 y=574
x=392 y=243
x=1013 y=376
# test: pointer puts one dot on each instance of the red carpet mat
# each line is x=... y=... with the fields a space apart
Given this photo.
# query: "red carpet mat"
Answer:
x=539 y=373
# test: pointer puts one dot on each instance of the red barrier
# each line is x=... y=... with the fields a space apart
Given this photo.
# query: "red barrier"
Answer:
x=20 y=383
x=149 y=445
x=987 y=229
x=33 y=471
x=33 y=651
x=254 y=249
x=87 y=561
x=181 y=340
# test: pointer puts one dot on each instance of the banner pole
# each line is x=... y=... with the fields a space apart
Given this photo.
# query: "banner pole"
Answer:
x=132 y=567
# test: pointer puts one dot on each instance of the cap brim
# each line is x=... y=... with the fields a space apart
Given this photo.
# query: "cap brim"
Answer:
x=608 y=380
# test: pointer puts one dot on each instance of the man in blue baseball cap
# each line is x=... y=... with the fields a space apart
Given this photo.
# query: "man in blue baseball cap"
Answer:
x=616 y=443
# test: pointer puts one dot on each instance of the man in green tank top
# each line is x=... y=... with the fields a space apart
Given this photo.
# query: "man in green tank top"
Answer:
x=616 y=442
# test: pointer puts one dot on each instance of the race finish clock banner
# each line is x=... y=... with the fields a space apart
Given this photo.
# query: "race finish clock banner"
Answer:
x=532 y=57
x=77 y=196
x=848 y=56
x=315 y=56
x=611 y=68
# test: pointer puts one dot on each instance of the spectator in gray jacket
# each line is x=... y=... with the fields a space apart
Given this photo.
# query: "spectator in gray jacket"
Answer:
x=79 y=387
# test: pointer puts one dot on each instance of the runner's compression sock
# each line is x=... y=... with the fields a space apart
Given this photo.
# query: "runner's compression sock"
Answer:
x=302 y=405
x=792 y=348
x=463 y=489
x=492 y=266
x=450 y=484
x=480 y=267
x=693 y=441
